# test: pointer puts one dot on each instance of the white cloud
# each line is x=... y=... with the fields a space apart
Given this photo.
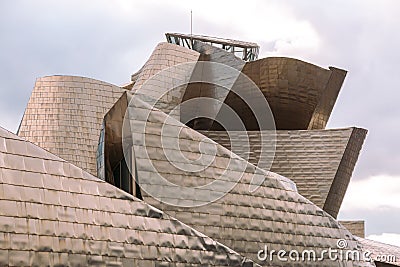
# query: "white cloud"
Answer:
x=303 y=41
x=387 y=238
x=373 y=193
x=258 y=21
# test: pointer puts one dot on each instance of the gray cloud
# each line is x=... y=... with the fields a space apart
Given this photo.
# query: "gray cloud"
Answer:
x=96 y=39
x=377 y=221
x=66 y=37
x=361 y=37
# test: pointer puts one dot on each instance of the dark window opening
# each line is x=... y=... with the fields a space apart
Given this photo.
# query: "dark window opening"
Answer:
x=122 y=177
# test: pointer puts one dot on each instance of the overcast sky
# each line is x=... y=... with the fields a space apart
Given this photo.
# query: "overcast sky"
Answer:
x=110 y=40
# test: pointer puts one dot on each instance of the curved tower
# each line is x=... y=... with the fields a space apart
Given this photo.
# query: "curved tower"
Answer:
x=64 y=116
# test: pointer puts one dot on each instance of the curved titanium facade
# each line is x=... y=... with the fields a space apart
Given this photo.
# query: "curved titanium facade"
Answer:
x=64 y=116
x=55 y=214
x=320 y=162
x=274 y=214
x=357 y=228
x=164 y=55
x=301 y=95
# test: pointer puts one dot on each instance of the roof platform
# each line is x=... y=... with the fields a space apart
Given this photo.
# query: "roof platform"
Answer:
x=245 y=50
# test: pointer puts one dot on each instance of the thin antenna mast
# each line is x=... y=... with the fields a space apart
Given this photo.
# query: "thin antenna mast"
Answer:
x=191 y=28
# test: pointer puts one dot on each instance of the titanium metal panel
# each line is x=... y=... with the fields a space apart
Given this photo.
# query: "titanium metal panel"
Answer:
x=64 y=116
x=274 y=214
x=381 y=249
x=53 y=213
x=357 y=228
x=301 y=95
x=164 y=55
x=320 y=162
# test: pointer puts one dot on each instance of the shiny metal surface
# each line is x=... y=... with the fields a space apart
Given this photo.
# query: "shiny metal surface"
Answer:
x=274 y=214
x=301 y=95
x=381 y=249
x=64 y=116
x=53 y=213
x=320 y=162
x=357 y=228
x=164 y=55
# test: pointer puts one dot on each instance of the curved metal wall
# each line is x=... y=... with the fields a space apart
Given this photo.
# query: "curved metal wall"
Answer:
x=56 y=214
x=320 y=162
x=64 y=115
x=296 y=91
x=275 y=214
x=163 y=56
